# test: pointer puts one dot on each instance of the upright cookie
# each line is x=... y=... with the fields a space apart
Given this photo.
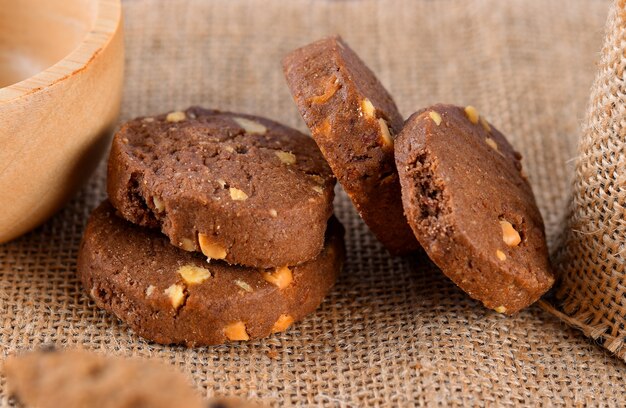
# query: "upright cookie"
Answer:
x=171 y=296
x=353 y=119
x=236 y=187
x=77 y=378
x=472 y=208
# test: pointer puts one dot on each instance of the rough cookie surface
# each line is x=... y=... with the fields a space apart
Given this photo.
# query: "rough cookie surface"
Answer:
x=172 y=296
x=471 y=208
x=353 y=119
x=235 y=187
x=75 y=378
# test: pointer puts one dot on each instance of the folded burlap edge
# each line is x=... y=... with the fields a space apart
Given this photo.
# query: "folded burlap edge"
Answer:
x=588 y=258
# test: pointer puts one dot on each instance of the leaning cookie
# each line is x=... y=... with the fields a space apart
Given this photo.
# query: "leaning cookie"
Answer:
x=236 y=187
x=353 y=119
x=471 y=207
x=172 y=296
x=75 y=378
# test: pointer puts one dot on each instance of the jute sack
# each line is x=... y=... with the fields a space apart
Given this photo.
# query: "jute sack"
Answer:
x=592 y=277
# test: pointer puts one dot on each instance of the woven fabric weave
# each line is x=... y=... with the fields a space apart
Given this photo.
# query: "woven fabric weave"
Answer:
x=592 y=288
x=394 y=331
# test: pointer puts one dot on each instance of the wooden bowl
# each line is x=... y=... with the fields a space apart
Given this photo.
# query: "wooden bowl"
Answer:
x=61 y=72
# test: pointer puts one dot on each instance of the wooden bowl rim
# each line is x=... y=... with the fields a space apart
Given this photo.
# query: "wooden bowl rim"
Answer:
x=106 y=24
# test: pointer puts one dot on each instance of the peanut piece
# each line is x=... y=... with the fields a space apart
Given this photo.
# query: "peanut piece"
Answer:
x=501 y=256
x=436 y=117
x=251 y=126
x=283 y=323
x=368 y=108
x=492 y=143
x=210 y=248
x=175 y=117
x=192 y=274
x=176 y=293
x=485 y=124
x=187 y=244
x=149 y=290
x=158 y=204
x=385 y=133
x=510 y=236
x=472 y=114
x=500 y=309
x=243 y=285
x=332 y=86
x=236 y=332
x=237 y=195
x=286 y=157
x=281 y=277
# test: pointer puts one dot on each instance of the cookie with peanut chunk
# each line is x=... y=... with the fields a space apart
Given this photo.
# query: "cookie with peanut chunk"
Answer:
x=236 y=187
x=353 y=119
x=472 y=208
x=169 y=295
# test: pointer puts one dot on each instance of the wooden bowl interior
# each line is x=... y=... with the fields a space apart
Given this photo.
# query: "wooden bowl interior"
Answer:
x=36 y=34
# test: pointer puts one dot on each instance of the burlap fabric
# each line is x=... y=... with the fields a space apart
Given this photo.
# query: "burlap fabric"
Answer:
x=592 y=260
x=395 y=331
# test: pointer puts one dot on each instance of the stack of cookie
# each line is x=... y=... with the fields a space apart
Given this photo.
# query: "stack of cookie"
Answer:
x=459 y=187
x=218 y=227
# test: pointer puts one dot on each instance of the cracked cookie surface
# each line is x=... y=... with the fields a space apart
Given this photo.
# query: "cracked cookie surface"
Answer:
x=236 y=187
x=471 y=207
x=168 y=295
x=353 y=120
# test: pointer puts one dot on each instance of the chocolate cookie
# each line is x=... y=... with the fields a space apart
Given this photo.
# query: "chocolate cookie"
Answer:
x=353 y=120
x=171 y=296
x=471 y=207
x=237 y=187
x=78 y=379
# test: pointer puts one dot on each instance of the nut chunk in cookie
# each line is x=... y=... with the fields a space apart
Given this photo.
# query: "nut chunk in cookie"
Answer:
x=472 y=208
x=353 y=119
x=235 y=187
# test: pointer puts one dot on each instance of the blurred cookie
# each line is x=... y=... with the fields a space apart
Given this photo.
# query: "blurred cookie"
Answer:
x=78 y=379
x=236 y=187
x=172 y=296
x=472 y=208
x=353 y=119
